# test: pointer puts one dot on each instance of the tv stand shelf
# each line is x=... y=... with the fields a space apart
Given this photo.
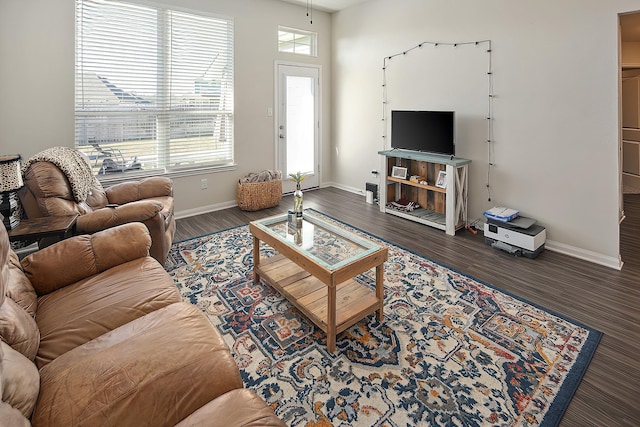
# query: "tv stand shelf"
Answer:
x=442 y=208
x=417 y=185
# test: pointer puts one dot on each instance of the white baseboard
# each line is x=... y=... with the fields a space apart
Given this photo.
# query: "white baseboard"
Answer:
x=205 y=209
x=232 y=203
x=594 y=257
x=354 y=190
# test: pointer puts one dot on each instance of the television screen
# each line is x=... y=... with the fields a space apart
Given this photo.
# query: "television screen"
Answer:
x=429 y=131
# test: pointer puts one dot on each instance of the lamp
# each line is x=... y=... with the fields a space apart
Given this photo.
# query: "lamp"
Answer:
x=10 y=182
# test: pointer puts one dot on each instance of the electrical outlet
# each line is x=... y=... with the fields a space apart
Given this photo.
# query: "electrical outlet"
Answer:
x=203 y=184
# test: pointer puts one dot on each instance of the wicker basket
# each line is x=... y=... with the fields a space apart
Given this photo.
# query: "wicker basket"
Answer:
x=254 y=196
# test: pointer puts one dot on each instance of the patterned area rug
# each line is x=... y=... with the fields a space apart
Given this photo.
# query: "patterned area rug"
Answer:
x=451 y=350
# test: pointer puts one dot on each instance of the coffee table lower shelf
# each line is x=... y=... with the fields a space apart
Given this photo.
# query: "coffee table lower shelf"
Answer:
x=354 y=301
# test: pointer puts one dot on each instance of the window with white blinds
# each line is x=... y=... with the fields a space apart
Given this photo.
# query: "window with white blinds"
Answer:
x=154 y=88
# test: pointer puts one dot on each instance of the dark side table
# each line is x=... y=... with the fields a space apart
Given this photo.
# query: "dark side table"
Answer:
x=53 y=228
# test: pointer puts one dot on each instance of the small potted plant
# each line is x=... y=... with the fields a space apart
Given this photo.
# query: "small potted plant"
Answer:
x=297 y=195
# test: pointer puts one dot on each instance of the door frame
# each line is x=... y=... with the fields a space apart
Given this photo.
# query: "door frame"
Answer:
x=621 y=212
x=276 y=121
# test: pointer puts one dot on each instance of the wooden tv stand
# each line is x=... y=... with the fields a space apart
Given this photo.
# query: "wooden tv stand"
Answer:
x=442 y=208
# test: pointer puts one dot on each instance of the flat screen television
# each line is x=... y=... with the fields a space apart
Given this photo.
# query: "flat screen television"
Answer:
x=428 y=131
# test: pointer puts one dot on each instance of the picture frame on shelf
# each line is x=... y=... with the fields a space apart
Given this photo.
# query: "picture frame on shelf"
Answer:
x=399 y=172
x=441 y=181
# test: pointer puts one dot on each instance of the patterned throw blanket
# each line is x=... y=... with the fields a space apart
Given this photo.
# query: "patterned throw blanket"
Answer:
x=73 y=164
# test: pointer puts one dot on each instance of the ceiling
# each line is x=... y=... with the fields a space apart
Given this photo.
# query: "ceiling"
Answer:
x=630 y=23
x=326 y=5
x=630 y=27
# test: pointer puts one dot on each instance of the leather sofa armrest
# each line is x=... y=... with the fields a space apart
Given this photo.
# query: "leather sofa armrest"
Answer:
x=104 y=218
x=79 y=257
x=131 y=191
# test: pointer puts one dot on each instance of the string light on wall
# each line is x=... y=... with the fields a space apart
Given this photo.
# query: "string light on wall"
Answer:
x=490 y=96
x=490 y=157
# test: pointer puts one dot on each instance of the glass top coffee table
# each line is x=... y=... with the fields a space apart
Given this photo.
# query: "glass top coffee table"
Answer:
x=315 y=267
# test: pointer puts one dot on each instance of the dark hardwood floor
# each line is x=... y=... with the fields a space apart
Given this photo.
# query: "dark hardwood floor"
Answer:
x=600 y=297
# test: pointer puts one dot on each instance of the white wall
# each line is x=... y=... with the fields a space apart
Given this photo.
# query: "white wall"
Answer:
x=556 y=110
x=556 y=129
x=37 y=84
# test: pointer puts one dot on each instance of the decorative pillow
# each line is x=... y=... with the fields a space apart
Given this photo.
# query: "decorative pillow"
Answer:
x=20 y=380
x=19 y=329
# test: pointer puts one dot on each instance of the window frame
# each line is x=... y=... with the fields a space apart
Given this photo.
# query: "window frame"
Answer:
x=297 y=32
x=165 y=110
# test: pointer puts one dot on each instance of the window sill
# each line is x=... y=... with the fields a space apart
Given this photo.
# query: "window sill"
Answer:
x=116 y=178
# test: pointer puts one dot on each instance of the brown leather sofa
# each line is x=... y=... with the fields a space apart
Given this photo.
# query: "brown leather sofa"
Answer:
x=47 y=192
x=94 y=333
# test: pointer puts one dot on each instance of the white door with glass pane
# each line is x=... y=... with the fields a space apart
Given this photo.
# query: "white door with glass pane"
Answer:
x=298 y=127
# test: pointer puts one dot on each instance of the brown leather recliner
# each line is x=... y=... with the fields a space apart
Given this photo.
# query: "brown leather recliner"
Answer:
x=48 y=192
x=93 y=332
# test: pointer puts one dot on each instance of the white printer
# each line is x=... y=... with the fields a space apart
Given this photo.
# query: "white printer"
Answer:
x=518 y=236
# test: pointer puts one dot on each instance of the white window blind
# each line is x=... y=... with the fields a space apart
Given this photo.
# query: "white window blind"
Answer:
x=154 y=88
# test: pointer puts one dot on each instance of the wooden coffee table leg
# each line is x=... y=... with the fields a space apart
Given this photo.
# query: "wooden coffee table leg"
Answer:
x=380 y=290
x=331 y=319
x=256 y=259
